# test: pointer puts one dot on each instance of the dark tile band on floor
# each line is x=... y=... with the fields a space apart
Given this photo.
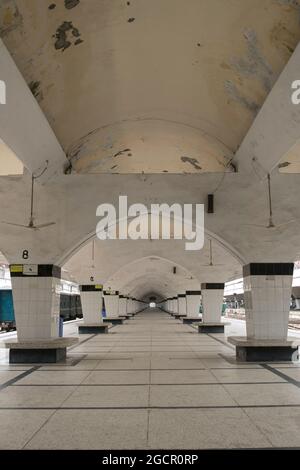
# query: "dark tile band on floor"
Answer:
x=150 y=383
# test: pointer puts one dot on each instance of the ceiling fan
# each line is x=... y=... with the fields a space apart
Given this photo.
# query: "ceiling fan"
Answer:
x=92 y=266
x=211 y=263
x=31 y=225
x=271 y=224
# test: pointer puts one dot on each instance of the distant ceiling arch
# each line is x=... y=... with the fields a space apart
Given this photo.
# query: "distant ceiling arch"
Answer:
x=92 y=236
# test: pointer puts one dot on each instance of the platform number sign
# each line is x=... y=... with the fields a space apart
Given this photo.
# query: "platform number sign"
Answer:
x=25 y=254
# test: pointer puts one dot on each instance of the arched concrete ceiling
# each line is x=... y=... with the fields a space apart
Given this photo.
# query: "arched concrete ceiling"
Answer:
x=124 y=82
x=72 y=201
x=117 y=263
x=181 y=84
x=153 y=273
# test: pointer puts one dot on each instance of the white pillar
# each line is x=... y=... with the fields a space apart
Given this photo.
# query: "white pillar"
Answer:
x=267 y=293
x=111 y=300
x=122 y=305
x=192 y=303
x=36 y=298
x=182 y=304
x=130 y=308
x=91 y=302
x=212 y=302
x=136 y=306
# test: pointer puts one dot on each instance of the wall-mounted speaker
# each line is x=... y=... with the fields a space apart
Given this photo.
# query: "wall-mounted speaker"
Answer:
x=210 y=203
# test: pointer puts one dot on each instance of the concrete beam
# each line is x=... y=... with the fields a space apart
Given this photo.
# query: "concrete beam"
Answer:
x=276 y=128
x=23 y=126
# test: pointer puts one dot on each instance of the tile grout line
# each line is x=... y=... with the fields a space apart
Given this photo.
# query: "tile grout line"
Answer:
x=56 y=409
x=288 y=379
x=19 y=377
x=188 y=407
x=240 y=407
x=180 y=384
x=52 y=414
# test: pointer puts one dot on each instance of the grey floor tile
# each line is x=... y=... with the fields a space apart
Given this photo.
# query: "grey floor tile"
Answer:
x=189 y=395
x=56 y=377
x=203 y=429
x=265 y=394
x=109 y=396
x=182 y=376
x=245 y=375
x=118 y=377
x=93 y=429
x=18 y=426
x=280 y=425
x=31 y=396
x=6 y=375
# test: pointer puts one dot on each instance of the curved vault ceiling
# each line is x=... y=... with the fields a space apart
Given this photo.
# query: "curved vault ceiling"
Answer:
x=127 y=264
x=152 y=273
x=122 y=89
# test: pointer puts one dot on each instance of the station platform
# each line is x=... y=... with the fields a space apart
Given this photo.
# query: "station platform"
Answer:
x=150 y=383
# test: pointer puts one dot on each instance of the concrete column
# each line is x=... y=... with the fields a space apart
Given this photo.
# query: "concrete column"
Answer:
x=297 y=301
x=91 y=302
x=193 y=304
x=111 y=300
x=36 y=298
x=122 y=306
x=130 y=307
x=212 y=302
x=137 y=305
x=182 y=304
x=267 y=293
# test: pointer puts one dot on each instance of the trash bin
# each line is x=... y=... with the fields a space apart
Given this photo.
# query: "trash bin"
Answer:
x=61 y=327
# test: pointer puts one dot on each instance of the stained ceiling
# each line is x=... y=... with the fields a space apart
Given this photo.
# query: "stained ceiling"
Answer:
x=126 y=93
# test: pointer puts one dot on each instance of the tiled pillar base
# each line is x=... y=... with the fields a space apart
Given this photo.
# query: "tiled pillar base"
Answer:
x=36 y=356
x=113 y=320
x=189 y=320
x=178 y=316
x=93 y=329
x=211 y=328
x=38 y=351
x=248 y=350
x=268 y=354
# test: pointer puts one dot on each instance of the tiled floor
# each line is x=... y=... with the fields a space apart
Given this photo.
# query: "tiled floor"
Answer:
x=150 y=383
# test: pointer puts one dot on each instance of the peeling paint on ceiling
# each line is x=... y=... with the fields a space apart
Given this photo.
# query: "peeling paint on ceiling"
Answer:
x=210 y=72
